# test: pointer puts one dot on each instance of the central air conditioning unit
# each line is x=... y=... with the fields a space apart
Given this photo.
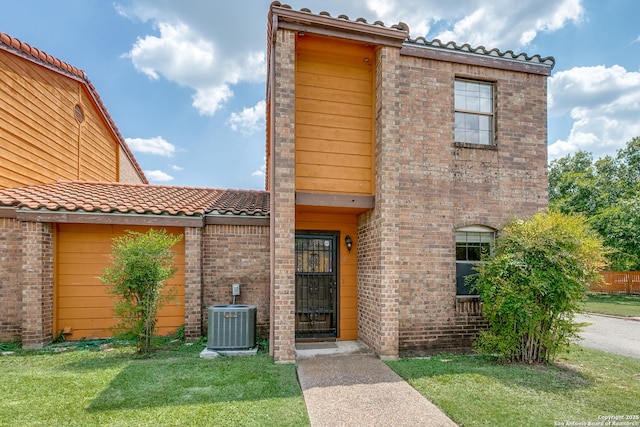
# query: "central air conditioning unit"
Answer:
x=231 y=327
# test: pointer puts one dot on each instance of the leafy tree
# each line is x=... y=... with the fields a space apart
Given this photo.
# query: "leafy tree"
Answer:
x=619 y=224
x=141 y=263
x=606 y=192
x=571 y=182
x=534 y=282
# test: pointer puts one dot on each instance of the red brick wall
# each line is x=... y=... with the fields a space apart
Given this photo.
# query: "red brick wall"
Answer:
x=193 y=249
x=10 y=292
x=442 y=186
x=36 y=282
x=236 y=254
x=379 y=263
x=427 y=186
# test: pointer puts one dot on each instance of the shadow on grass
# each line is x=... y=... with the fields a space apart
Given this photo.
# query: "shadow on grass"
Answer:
x=191 y=381
x=555 y=378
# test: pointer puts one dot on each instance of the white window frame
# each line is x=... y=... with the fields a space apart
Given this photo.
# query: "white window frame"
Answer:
x=474 y=112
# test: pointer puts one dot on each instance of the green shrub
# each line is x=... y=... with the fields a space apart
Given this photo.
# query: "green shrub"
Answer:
x=142 y=262
x=534 y=282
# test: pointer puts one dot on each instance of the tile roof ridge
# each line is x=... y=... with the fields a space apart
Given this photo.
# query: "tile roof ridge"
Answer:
x=436 y=43
x=401 y=26
x=40 y=55
x=19 y=47
x=160 y=186
x=126 y=198
x=481 y=50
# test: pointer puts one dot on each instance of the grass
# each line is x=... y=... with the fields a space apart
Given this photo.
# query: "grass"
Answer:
x=83 y=386
x=582 y=386
x=614 y=304
x=175 y=387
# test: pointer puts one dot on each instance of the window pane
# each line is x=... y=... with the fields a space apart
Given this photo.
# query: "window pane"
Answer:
x=473 y=103
x=473 y=253
x=484 y=138
x=469 y=97
x=470 y=246
x=484 y=89
x=486 y=105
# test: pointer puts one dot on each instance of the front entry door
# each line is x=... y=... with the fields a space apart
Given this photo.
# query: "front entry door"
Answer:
x=316 y=290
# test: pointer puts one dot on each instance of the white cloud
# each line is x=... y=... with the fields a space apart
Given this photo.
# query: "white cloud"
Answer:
x=197 y=45
x=158 y=176
x=177 y=54
x=511 y=25
x=604 y=104
x=249 y=120
x=263 y=169
x=157 y=145
x=207 y=100
x=193 y=51
x=177 y=168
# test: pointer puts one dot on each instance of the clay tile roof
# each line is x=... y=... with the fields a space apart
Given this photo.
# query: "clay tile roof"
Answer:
x=481 y=50
x=401 y=26
x=421 y=41
x=15 y=46
x=97 y=197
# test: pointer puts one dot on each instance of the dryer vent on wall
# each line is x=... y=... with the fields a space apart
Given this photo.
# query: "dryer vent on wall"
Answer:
x=231 y=327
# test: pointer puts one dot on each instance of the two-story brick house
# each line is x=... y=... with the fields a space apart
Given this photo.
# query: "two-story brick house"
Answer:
x=392 y=162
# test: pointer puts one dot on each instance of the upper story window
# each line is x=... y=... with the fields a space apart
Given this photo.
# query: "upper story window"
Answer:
x=474 y=112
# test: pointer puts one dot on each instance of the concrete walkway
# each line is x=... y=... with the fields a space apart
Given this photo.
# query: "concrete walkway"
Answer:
x=360 y=390
x=612 y=334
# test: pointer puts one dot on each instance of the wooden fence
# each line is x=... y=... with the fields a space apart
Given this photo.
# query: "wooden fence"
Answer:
x=619 y=282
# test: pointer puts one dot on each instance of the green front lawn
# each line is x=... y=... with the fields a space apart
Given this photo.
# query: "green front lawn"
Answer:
x=613 y=304
x=85 y=387
x=583 y=386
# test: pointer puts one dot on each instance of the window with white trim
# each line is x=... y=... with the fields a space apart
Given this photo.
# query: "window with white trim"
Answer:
x=472 y=243
x=474 y=121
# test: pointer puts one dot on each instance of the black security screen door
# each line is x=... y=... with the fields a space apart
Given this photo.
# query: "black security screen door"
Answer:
x=316 y=293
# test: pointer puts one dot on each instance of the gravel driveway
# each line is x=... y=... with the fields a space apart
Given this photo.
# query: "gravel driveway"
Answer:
x=610 y=334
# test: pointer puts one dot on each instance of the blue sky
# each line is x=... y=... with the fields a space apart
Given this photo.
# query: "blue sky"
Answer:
x=185 y=80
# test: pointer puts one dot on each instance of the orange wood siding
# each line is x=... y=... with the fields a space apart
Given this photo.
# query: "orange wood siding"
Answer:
x=81 y=300
x=346 y=224
x=334 y=116
x=40 y=139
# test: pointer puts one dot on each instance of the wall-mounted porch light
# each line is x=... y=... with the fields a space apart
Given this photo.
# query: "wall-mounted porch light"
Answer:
x=348 y=242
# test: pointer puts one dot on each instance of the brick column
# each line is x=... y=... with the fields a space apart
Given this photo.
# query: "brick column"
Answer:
x=283 y=203
x=10 y=290
x=387 y=162
x=192 y=282
x=37 y=284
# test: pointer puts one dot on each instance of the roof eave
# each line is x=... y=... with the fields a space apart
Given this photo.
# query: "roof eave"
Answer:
x=83 y=217
x=324 y=24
